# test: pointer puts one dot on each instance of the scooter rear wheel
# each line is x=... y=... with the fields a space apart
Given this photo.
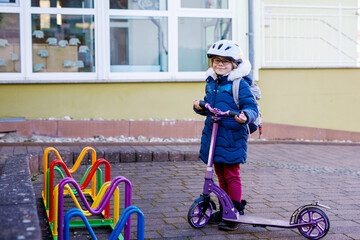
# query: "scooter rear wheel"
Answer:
x=321 y=222
x=199 y=213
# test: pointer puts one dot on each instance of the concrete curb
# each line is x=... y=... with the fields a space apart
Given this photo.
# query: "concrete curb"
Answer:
x=19 y=218
x=251 y=141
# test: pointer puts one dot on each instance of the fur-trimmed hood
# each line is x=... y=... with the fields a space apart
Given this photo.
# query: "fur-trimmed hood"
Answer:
x=241 y=71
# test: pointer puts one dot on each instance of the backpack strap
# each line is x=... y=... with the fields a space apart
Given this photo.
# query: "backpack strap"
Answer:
x=255 y=90
x=235 y=91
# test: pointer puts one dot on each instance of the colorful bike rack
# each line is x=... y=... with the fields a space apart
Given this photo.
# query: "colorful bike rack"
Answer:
x=118 y=228
x=100 y=194
x=105 y=197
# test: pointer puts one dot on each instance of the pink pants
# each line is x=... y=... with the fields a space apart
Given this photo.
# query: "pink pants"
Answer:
x=229 y=179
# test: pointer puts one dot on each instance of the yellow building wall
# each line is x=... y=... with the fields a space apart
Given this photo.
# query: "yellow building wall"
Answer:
x=323 y=98
x=112 y=101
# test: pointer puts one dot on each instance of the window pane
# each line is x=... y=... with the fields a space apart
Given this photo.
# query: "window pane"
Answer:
x=63 y=43
x=3 y=2
x=63 y=3
x=139 y=4
x=215 y=4
x=9 y=42
x=138 y=44
x=323 y=37
x=195 y=37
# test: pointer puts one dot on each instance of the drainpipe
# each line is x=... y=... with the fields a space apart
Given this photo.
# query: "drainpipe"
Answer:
x=251 y=36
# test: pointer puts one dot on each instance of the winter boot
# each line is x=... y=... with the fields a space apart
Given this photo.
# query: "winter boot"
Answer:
x=231 y=226
x=240 y=206
x=216 y=217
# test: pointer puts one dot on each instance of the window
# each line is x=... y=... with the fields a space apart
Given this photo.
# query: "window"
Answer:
x=138 y=44
x=9 y=42
x=198 y=30
x=310 y=36
x=110 y=41
x=63 y=3
x=196 y=35
x=214 y=4
x=9 y=3
x=63 y=43
x=139 y=4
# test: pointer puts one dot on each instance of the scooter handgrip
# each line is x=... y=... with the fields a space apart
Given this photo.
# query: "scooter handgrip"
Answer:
x=202 y=104
x=233 y=114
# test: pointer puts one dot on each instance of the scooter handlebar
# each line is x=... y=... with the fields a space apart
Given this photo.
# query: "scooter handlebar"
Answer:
x=202 y=104
x=217 y=111
x=232 y=113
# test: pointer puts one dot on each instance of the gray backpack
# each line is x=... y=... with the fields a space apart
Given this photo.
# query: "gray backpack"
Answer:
x=254 y=88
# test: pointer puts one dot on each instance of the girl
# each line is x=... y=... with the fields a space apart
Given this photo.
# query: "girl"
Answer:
x=226 y=65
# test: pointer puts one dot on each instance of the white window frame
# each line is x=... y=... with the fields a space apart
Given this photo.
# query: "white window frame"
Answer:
x=102 y=13
x=319 y=58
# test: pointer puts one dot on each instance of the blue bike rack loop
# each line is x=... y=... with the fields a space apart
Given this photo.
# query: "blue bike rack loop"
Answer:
x=118 y=228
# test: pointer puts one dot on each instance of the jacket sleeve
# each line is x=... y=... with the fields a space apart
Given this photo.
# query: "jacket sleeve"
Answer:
x=203 y=112
x=247 y=102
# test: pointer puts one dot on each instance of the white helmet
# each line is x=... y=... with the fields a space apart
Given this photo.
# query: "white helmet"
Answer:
x=226 y=48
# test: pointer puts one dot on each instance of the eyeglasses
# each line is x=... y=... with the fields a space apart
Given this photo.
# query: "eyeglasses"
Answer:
x=223 y=61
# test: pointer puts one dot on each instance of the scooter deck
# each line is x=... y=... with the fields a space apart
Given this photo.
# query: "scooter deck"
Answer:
x=263 y=222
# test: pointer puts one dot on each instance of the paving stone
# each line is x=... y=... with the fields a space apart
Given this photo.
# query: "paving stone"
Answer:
x=191 y=156
x=19 y=222
x=85 y=159
x=176 y=156
x=112 y=156
x=7 y=150
x=160 y=156
x=66 y=155
x=33 y=161
x=127 y=154
x=277 y=179
x=20 y=150
x=34 y=149
x=143 y=154
x=100 y=152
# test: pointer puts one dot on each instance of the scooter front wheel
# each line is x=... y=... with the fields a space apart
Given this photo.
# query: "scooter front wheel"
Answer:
x=199 y=213
x=320 y=226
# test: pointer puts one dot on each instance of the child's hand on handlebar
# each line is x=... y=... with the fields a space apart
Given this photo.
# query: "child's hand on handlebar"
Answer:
x=197 y=105
x=241 y=118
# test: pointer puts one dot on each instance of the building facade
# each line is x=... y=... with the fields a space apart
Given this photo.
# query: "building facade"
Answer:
x=137 y=60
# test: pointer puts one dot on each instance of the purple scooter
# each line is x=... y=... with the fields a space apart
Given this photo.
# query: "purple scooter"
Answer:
x=309 y=219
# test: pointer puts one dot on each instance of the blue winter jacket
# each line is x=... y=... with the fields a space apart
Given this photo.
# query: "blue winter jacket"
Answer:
x=231 y=142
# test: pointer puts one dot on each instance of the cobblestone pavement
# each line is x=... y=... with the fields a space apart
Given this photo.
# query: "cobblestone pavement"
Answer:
x=277 y=179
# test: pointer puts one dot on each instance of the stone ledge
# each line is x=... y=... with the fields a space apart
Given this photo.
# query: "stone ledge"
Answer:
x=161 y=129
x=106 y=128
x=19 y=218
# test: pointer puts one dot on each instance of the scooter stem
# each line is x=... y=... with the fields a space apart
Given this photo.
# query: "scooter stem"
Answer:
x=210 y=163
x=229 y=211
